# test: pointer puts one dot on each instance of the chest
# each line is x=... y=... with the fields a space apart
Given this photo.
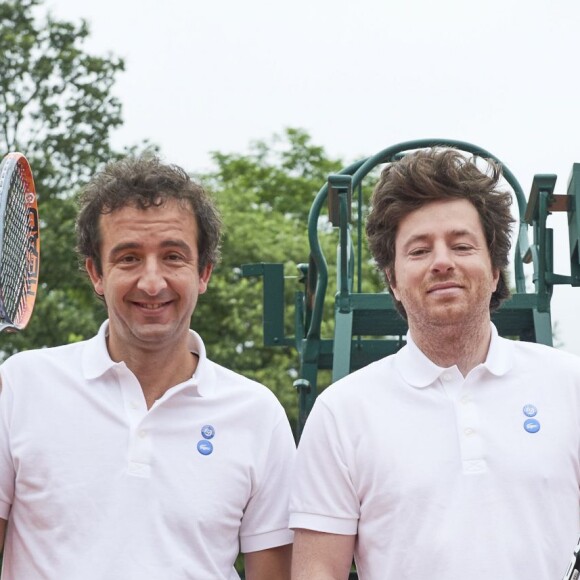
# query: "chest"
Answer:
x=187 y=461
x=418 y=443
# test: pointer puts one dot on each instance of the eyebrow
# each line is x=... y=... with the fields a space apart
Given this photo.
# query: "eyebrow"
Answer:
x=418 y=238
x=165 y=244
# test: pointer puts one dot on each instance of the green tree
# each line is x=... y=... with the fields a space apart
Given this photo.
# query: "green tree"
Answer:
x=57 y=108
x=265 y=196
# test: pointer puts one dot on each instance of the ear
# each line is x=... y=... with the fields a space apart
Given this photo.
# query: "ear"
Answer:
x=390 y=276
x=96 y=278
x=496 y=274
x=204 y=277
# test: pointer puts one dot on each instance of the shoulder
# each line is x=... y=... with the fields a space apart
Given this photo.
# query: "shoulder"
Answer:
x=541 y=354
x=28 y=373
x=232 y=379
x=33 y=357
x=224 y=382
x=369 y=378
x=541 y=366
x=232 y=385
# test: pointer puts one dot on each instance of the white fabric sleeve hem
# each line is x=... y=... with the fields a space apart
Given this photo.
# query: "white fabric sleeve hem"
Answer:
x=329 y=525
x=4 y=510
x=266 y=541
x=267 y=508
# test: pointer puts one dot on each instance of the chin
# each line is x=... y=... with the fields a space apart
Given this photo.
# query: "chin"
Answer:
x=154 y=332
x=448 y=316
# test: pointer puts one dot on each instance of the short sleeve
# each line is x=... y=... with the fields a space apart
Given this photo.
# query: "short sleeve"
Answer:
x=323 y=496
x=265 y=521
x=7 y=475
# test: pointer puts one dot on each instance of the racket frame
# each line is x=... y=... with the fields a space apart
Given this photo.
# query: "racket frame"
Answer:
x=12 y=162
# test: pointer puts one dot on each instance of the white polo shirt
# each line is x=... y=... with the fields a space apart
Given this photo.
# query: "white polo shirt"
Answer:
x=445 y=477
x=96 y=486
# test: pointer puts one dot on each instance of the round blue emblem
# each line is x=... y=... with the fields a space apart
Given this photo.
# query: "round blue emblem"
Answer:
x=204 y=447
x=530 y=411
x=532 y=425
x=207 y=431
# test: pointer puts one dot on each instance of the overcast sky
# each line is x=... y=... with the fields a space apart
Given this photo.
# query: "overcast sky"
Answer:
x=358 y=76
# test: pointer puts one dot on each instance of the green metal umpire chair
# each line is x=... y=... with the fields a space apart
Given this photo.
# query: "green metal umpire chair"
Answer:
x=366 y=325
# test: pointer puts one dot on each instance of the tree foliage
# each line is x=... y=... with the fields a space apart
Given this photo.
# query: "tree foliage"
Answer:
x=265 y=196
x=56 y=106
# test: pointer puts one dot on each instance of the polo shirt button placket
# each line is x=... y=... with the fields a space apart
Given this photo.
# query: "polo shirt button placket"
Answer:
x=139 y=452
x=470 y=440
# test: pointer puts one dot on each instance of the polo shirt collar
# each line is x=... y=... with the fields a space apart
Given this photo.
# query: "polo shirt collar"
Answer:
x=500 y=356
x=96 y=361
x=204 y=376
x=95 y=357
x=416 y=369
x=420 y=371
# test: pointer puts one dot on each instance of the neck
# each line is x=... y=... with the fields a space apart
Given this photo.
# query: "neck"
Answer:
x=157 y=370
x=465 y=346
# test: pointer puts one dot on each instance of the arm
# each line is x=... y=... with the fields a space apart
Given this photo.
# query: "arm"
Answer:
x=321 y=556
x=271 y=564
x=265 y=538
x=2 y=532
x=2 y=521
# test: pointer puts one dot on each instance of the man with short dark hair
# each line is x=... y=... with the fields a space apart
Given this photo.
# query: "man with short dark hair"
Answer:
x=457 y=457
x=132 y=455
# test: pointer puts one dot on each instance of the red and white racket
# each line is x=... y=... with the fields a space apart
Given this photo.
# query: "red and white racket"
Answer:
x=19 y=243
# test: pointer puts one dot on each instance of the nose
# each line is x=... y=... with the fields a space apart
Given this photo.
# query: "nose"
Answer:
x=443 y=260
x=152 y=279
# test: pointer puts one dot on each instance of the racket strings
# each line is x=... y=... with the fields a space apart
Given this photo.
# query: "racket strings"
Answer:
x=14 y=280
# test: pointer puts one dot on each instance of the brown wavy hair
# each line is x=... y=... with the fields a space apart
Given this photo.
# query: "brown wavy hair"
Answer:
x=144 y=182
x=437 y=174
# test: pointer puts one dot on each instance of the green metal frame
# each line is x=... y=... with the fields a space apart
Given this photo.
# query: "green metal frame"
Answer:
x=367 y=326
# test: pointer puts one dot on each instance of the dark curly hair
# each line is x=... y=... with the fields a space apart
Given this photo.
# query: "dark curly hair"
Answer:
x=436 y=174
x=144 y=182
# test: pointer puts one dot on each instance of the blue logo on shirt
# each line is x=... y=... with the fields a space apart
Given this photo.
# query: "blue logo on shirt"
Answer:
x=204 y=447
x=530 y=410
x=532 y=425
x=207 y=432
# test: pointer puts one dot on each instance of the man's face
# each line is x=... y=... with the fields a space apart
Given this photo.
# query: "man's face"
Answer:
x=150 y=277
x=443 y=271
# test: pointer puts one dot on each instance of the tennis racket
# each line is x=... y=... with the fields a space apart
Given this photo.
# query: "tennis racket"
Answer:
x=573 y=571
x=19 y=243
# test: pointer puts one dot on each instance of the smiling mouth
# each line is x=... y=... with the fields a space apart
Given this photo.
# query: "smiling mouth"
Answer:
x=149 y=306
x=444 y=286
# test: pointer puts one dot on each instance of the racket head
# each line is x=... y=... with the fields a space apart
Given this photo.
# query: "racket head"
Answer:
x=573 y=571
x=19 y=243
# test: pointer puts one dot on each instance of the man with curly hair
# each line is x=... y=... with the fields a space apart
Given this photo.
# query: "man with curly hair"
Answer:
x=457 y=457
x=132 y=456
